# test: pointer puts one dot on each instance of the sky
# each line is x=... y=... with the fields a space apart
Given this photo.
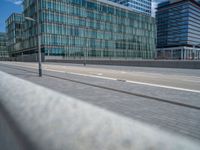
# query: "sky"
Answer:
x=154 y=5
x=7 y=7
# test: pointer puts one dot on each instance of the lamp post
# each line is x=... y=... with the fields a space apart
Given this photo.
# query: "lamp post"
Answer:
x=39 y=39
x=84 y=58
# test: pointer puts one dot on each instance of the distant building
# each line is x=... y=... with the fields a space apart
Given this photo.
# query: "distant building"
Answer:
x=14 y=26
x=3 y=44
x=86 y=29
x=178 y=29
x=143 y=6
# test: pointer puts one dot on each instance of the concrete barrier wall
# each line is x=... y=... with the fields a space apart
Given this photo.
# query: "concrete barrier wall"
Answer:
x=28 y=58
x=139 y=63
x=35 y=118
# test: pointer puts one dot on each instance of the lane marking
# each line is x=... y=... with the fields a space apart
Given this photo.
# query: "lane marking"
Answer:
x=94 y=76
x=128 y=81
x=141 y=83
x=163 y=86
x=123 y=72
x=99 y=74
x=53 y=70
x=136 y=82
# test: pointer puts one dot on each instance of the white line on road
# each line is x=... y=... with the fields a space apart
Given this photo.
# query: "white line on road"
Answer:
x=141 y=83
x=94 y=76
x=128 y=81
x=163 y=86
x=54 y=70
x=99 y=74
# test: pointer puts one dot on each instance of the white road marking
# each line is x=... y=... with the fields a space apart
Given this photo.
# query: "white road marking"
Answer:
x=55 y=70
x=128 y=81
x=141 y=83
x=94 y=76
x=163 y=86
x=99 y=74
x=123 y=72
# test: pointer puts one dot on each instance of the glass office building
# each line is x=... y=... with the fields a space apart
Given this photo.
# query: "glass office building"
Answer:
x=75 y=29
x=3 y=44
x=143 y=6
x=14 y=27
x=178 y=29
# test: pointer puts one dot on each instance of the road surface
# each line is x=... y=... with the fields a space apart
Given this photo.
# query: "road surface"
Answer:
x=166 y=98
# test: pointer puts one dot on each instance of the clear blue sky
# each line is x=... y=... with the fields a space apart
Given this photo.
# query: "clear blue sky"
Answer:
x=7 y=7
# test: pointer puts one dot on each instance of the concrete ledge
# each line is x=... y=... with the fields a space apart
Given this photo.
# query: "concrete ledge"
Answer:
x=139 y=63
x=33 y=117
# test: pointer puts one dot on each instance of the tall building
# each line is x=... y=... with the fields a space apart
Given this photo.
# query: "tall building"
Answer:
x=178 y=29
x=3 y=44
x=87 y=29
x=14 y=27
x=143 y=6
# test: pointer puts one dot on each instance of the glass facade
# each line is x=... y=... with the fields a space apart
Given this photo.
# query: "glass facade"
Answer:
x=143 y=6
x=80 y=28
x=3 y=44
x=14 y=28
x=178 y=24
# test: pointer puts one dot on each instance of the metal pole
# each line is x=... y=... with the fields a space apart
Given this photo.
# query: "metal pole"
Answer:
x=193 y=52
x=22 y=57
x=85 y=57
x=39 y=41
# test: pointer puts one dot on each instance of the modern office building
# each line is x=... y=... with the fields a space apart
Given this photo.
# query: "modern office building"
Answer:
x=80 y=29
x=178 y=29
x=14 y=27
x=3 y=44
x=143 y=6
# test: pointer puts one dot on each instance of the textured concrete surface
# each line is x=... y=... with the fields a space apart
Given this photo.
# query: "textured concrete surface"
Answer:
x=52 y=121
x=174 y=118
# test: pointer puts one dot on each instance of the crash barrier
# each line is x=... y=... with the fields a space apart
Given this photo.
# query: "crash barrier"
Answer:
x=187 y=64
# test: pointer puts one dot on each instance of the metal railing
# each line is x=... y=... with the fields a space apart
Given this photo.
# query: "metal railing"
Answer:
x=33 y=117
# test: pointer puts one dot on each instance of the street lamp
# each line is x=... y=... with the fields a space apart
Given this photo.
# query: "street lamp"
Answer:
x=85 y=57
x=30 y=19
x=39 y=39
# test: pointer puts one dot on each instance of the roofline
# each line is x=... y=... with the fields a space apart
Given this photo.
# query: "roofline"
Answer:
x=118 y=5
x=178 y=2
x=121 y=6
x=14 y=13
x=3 y=33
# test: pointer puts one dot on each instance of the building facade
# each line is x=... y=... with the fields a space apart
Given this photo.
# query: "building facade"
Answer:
x=14 y=27
x=178 y=29
x=88 y=29
x=143 y=6
x=3 y=44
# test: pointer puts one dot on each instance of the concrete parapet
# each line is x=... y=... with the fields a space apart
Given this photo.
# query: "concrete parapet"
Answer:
x=187 y=64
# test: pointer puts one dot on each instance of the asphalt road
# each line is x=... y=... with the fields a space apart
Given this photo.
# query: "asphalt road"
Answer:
x=166 y=98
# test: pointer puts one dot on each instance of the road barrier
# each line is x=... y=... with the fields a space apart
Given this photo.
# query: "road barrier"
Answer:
x=187 y=64
x=35 y=118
